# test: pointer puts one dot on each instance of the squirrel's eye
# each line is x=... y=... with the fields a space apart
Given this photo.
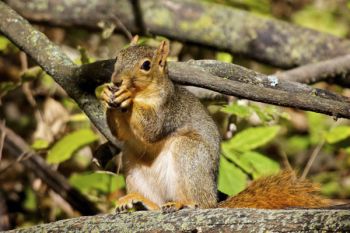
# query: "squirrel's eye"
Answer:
x=146 y=65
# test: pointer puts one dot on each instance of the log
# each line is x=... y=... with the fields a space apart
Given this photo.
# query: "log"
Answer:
x=206 y=220
x=268 y=40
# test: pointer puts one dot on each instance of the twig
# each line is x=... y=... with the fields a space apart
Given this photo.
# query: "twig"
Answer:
x=286 y=162
x=314 y=154
x=2 y=139
x=122 y=27
x=318 y=71
x=312 y=158
x=20 y=158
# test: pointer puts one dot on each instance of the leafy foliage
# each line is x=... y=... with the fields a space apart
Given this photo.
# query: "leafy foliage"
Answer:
x=238 y=154
x=338 y=134
x=65 y=148
x=104 y=182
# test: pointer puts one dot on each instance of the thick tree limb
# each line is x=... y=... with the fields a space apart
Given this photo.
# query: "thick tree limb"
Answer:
x=54 y=180
x=209 y=220
x=267 y=40
x=238 y=81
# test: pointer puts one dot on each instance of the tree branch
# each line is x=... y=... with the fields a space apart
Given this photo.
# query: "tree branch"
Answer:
x=206 y=220
x=238 y=81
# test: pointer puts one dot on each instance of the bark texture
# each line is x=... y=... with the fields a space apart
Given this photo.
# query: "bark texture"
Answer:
x=206 y=220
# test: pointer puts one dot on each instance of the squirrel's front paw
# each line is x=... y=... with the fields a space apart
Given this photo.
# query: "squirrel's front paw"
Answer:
x=108 y=94
x=134 y=201
x=122 y=98
x=116 y=97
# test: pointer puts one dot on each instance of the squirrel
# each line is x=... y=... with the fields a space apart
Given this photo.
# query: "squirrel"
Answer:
x=172 y=146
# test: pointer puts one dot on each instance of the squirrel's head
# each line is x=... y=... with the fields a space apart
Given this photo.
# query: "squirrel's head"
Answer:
x=138 y=66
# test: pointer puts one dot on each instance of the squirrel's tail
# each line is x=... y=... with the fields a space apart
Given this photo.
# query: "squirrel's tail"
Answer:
x=277 y=192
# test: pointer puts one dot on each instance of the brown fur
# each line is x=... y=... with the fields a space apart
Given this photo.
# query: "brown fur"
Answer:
x=277 y=192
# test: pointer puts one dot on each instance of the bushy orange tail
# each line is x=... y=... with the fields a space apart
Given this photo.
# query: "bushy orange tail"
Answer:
x=277 y=192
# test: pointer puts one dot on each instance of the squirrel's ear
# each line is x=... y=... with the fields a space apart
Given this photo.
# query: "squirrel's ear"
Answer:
x=162 y=53
x=134 y=40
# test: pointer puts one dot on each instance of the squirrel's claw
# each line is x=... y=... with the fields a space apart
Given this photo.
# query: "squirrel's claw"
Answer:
x=135 y=202
x=115 y=97
x=170 y=207
x=107 y=95
x=122 y=99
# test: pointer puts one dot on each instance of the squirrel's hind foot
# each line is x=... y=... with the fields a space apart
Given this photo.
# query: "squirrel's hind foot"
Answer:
x=173 y=206
x=134 y=201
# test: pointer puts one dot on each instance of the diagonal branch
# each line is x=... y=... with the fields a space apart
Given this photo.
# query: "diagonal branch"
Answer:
x=57 y=182
x=54 y=62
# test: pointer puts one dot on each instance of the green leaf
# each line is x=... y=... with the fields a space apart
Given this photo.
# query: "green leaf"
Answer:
x=318 y=126
x=234 y=156
x=296 y=144
x=338 y=134
x=224 y=57
x=30 y=200
x=65 y=148
x=252 y=138
x=238 y=110
x=260 y=164
x=265 y=114
x=231 y=179
x=4 y=43
x=40 y=144
x=105 y=182
x=32 y=74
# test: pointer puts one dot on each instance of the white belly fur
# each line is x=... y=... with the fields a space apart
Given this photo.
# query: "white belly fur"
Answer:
x=156 y=182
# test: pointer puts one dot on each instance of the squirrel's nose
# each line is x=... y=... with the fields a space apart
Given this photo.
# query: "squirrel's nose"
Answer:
x=116 y=79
